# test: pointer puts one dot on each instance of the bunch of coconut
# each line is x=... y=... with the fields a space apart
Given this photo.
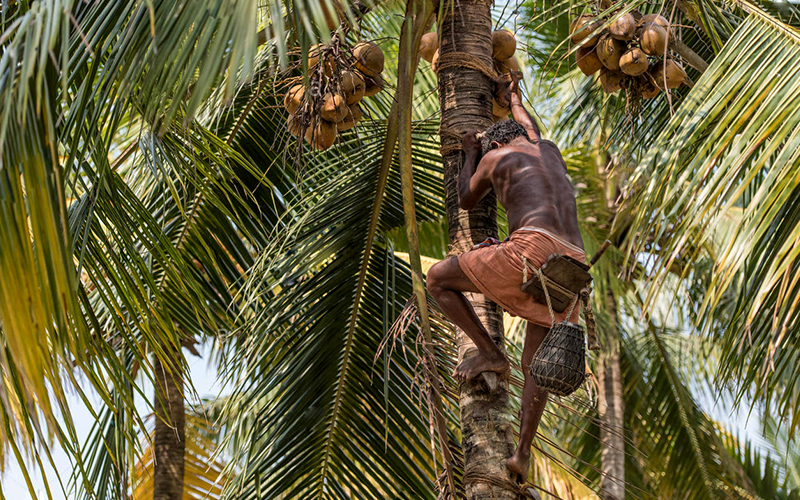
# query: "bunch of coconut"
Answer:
x=631 y=53
x=339 y=78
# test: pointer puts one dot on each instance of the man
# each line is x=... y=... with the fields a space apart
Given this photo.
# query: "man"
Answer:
x=529 y=177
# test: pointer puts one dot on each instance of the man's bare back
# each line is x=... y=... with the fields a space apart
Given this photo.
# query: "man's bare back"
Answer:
x=530 y=181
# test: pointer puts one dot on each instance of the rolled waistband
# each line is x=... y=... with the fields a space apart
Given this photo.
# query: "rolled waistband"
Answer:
x=551 y=235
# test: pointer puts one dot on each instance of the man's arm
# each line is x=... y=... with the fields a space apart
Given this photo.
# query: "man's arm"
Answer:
x=472 y=186
x=519 y=113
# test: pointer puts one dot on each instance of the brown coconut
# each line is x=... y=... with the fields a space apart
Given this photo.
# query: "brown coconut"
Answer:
x=503 y=44
x=322 y=135
x=428 y=45
x=587 y=60
x=583 y=26
x=353 y=86
x=648 y=90
x=333 y=13
x=610 y=50
x=295 y=125
x=637 y=15
x=334 y=107
x=654 y=39
x=354 y=114
x=369 y=58
x=435 y=60
x=313 y=59
x=655 y=18
x=623 y=28
x=611 y=80
x=675 y=75
x=507 y=66
x=294 y=98
x=374 y=85
x=634 y=62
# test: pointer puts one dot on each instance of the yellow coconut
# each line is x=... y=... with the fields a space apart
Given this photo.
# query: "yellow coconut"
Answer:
x=353 y=86
x=435 y=60
x=609 y=50
x=322 y=135
x=369 y=58
x=633 y=62
x=675 y=75
x=587 y=60
x=623 y=28
x=655 y=18
x=294 y=98
x=295 y=125
x=583 y=26
x=354 y=114
x=374 y=85
x=334 y=107
x=428 y=45
x=507 y=66
x=611 y=80
x=503 y=44
x=654 y=40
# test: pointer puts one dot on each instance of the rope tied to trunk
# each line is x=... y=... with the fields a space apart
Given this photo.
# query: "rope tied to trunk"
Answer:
x=523 y=491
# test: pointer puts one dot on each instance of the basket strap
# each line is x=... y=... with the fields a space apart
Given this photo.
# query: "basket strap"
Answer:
x=546 y=293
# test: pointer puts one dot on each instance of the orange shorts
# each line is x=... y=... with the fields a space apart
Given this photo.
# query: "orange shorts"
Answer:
x=496 y=270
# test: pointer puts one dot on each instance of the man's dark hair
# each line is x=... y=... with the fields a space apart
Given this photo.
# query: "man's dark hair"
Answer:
x=502 y=132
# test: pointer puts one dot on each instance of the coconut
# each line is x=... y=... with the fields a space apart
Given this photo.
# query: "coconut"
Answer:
x=369 y=58
x=609 y=50
x=503 y=44
x=587 y=60
x=583 y=26
x=323 y=135
x=611 y=80
x=354 y=114
x=334 y=107
x=294 y=98
x=634 y=62
x=675 y=75
x=623 y=28
x=428 y=45
x=332 y=11
x=648 y=90
x=507 y=66
x=353 y=86
x=655 y=18
x=295 y=125
x=435 y=60
x=374 y=85
x=313 y=59
x=654 y=39
x=498 y=109
x=637 y=16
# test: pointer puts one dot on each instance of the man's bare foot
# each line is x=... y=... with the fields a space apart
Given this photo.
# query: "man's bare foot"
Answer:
x=519 y=467
x=479 y=363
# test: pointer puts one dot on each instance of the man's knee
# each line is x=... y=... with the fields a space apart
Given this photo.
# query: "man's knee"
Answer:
x=435 y=279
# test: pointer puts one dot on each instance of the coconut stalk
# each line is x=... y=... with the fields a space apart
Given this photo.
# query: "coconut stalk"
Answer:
x=687 y=54
x=418 y=18
x=465 y=95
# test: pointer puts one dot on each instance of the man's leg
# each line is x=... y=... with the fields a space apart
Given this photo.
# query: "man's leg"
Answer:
x=533 y=401
x=446 y=281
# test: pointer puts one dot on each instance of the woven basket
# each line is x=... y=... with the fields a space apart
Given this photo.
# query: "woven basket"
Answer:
x=559 y=365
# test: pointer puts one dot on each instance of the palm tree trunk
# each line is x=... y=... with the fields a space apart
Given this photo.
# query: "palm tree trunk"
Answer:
x=169 y=444
x=612 y=416
x=465 y=94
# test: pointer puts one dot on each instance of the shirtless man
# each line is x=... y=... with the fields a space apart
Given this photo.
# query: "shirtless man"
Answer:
x=528 y=175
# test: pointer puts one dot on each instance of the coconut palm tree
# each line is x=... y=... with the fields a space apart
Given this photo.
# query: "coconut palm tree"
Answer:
x=148 y=207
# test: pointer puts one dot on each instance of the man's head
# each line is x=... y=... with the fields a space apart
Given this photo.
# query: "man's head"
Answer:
x=500 y=134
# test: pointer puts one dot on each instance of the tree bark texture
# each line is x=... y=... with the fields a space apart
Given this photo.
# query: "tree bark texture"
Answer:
x=612 y=415
x=465 y=94
x=170 y=441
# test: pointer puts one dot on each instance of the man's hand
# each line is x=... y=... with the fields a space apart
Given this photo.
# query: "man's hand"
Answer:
x=470 y=142
x=505 y=86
